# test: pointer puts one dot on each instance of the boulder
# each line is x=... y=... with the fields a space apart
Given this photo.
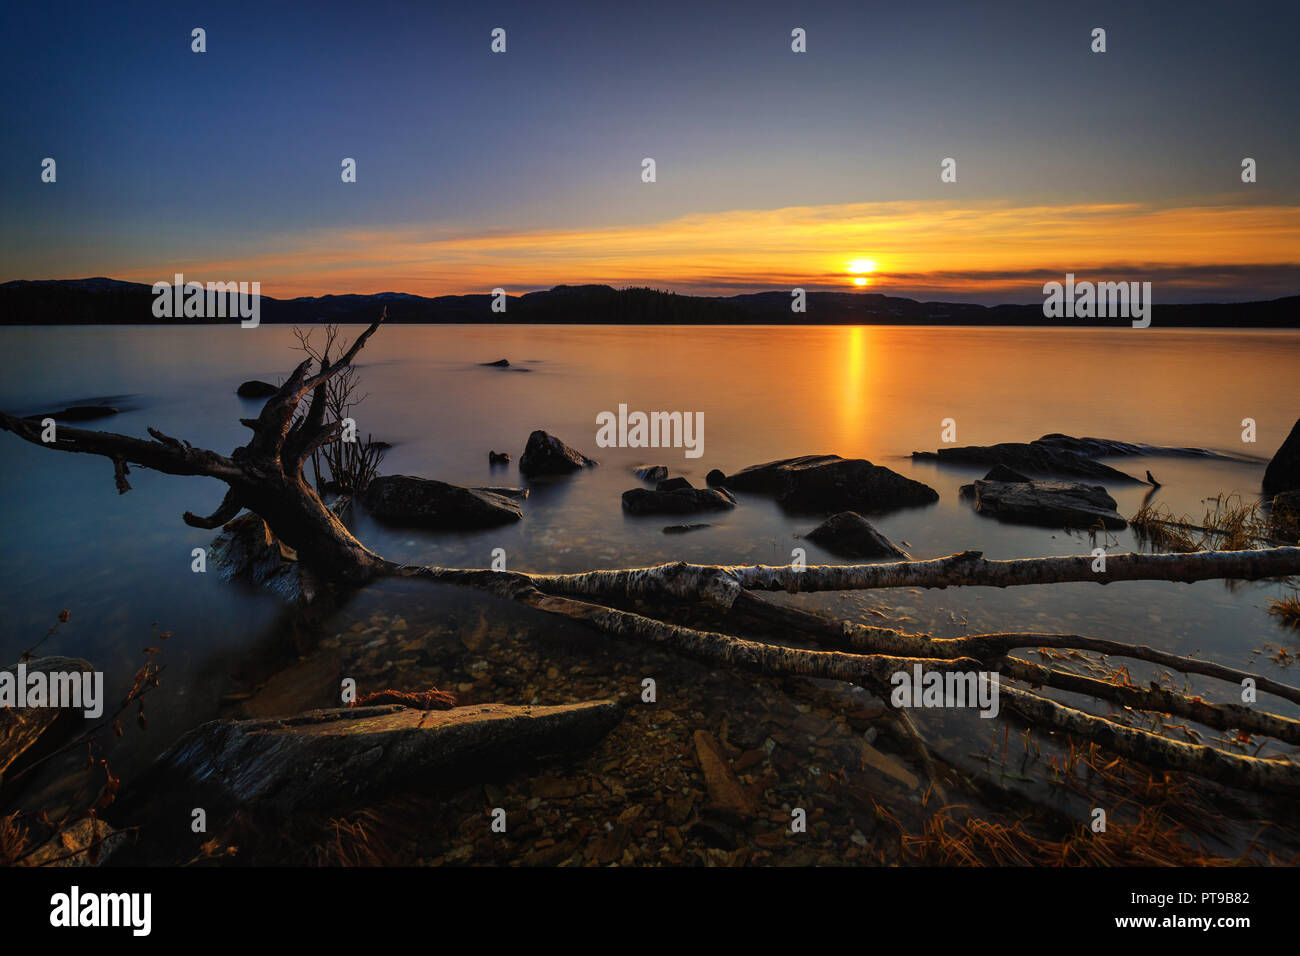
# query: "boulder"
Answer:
x=83 y=843
x=676 y=496
x=652 y=473
x=716 y=477
x=246 y=550
x=850 y=535
x=330 y=757
x=828 y=483
x=22 y=727
x=404 y=499
x=1063 y=456
x=547 y=455
x=1283 y=471
x=1053 y=504
x=256 y=389
x=498 y=458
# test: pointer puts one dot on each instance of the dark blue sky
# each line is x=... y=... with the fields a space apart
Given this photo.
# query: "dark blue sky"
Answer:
x=163 y=153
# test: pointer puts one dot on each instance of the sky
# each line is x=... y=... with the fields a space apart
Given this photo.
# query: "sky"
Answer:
x=773 y=169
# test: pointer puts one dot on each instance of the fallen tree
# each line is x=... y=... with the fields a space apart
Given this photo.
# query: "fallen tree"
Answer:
x=266 y=477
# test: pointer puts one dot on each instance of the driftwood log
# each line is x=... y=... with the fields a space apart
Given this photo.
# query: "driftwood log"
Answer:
x=266 y=477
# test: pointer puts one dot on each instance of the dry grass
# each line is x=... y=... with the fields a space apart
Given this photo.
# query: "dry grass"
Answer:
x=1229 y=524
x=1287 y=609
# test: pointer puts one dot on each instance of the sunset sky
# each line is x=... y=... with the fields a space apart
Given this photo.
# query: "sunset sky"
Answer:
x=774 y=169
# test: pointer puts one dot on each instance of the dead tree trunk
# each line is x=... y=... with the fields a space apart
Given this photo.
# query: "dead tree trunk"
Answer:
x=265 y=476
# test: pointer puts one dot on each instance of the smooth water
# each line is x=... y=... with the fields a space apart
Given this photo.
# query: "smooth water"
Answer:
x=122 y=563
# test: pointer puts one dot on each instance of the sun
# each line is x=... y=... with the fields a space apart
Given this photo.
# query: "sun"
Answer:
x=862 y=265
x=860 y=281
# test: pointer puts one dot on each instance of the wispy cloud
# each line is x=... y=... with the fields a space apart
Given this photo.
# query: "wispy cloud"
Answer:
x=988 y=250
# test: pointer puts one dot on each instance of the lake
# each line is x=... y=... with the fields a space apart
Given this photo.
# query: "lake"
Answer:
x=121 y=563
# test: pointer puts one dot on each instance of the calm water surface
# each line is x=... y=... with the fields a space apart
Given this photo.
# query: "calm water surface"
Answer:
x=121 y=563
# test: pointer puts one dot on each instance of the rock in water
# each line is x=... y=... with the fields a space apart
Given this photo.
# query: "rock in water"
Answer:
x=676 y=496
x=1063 y=456
x=77 y=413
x=716 y=477
x=829 y=483
x=547 y=455
x=654 y=473
x=328 y=757
x=256 y=389
x=403 y=499
x=1001 y=472
x=246 y=550
x=850 y=535
x=1283 y=472
x=1053 y=504
x=499 y=363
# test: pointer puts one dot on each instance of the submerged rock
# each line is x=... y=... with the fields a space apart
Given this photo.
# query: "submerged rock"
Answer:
x=676 y=496
x=246 y=550
x=328 y=757
x=1054 y=504
x=1283 y=471
x=547 y=455
x=850 y=535
x=684 y=528
x=499 y=363
x=653 y=473
x=1063 y=456
x=404 y=499
x=829 y=483
x=256 y=389
x=77 y=413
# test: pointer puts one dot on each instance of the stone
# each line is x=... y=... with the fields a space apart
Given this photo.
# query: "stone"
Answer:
x=652 y=473
x=403 y=499
x=676 y=497
x=1053 y=504
x=246 y=550
x=547 y=455
x=826 y=484
x=1061 y=456
x=22 y=727
x=1000 y=472
x=1283 y=471
x=850 y=535
x=715 y=477
x=256 y=389
x=329 y=757
x=726 y=794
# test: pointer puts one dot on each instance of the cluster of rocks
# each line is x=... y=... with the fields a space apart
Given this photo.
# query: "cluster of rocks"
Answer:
x=708 y=775
x=1061 y=456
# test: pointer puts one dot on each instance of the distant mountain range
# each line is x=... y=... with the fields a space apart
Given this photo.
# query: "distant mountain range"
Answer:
x=102 y=301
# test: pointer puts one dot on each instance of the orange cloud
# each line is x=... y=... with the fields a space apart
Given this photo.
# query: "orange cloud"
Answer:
x=914 y=244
